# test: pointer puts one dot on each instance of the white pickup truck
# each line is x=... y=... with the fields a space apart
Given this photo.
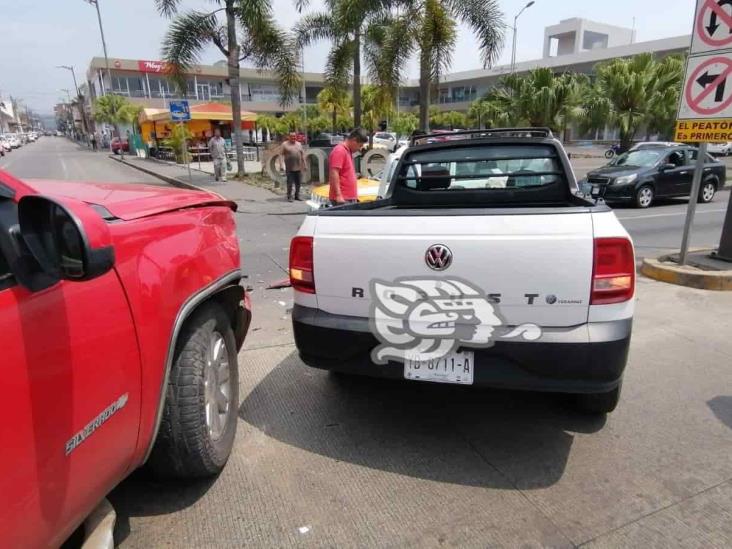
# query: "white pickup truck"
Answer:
x=481 y=265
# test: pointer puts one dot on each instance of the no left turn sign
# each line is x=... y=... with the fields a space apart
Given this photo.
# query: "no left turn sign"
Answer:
x=712 y=26
x=707 y=88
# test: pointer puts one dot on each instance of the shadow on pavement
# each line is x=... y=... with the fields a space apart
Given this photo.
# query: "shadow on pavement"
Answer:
x=446 y=433
x=722 y=408
x=139 y=496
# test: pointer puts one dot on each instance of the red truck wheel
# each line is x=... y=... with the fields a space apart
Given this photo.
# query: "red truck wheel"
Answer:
x=199 y=420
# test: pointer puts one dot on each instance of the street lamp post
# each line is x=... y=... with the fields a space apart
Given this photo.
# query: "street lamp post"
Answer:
x=513 y=49
x=104 y=44
x=82 y=109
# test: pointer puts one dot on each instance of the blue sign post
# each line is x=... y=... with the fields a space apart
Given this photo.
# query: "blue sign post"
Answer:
x=180 y=111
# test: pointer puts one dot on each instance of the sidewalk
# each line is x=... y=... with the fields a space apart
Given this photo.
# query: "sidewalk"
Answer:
x=249 y=198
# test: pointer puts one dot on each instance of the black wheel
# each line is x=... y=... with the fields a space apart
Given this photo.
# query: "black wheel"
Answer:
x=202 y=398
x=598 y=403
x=644 y=196
x=609 y=153
x=707 y=192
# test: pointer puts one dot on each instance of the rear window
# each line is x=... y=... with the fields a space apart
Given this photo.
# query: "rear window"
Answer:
x=495 y=167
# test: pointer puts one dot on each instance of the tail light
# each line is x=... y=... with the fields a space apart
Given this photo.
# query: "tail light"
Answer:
x=301 y=264
x=613 y=272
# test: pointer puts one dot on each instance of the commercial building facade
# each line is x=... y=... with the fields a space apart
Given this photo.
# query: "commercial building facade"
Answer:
x=573 y=45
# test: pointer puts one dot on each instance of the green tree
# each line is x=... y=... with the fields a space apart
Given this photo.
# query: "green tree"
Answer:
x=272 y=124
x=404 y=123
x=346 y=24
x=539 y=98
x=454 y=120
x=628 y=93
x=115 y=110
x=428 y=28
x=661 y=117
x=334 y=101
x=177 y=141
x=248 y=32
x=376 y=108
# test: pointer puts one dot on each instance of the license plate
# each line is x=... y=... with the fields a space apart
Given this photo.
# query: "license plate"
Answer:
x=453 y=368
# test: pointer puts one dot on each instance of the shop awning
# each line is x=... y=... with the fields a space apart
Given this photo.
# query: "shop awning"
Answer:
x=154 y=115
x=218 y=111
x=203 y=111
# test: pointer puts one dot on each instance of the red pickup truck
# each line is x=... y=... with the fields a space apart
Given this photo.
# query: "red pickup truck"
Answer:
x=121 y=316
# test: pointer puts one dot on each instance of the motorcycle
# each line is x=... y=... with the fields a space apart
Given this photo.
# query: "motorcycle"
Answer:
x=612 y=151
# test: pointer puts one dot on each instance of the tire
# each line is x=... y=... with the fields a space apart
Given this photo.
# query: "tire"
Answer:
x=644 y=196
x=609 y=153
x=195 y=436
x=598 y=403
x=707 y=192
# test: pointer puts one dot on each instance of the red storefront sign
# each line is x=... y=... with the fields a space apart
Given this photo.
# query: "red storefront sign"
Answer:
x=152 y=66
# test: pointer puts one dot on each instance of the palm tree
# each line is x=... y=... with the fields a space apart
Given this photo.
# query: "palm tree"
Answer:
x=247 y=33
x=429 y=29
x=335 y=101
x=661 y=116
x=629 y=93
x=115 y=110
x=541 y=98
x=347 y=24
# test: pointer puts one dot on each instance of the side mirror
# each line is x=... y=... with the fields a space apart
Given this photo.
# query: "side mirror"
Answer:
x=67 y=238
x=667 y=167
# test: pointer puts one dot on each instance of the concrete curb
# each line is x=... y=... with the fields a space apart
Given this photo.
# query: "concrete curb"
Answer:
x=170 y=180
x=687 y=276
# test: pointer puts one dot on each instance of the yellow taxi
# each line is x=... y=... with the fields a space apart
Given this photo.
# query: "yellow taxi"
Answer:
x=368 y=189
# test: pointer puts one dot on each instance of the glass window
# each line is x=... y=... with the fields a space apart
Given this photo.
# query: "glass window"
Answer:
x=499 y=167
x=640 y=157
x=119 y=85
x=693 y=153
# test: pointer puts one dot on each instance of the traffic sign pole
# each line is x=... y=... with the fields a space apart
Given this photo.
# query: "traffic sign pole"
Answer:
x=705 y=105
x=691 y=210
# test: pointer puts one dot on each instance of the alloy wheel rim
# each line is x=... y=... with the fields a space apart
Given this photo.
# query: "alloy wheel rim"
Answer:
x=708 y=192
x=217 y=386
x=646 y=195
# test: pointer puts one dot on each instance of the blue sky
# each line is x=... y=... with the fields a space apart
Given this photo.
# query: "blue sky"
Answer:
x=40 y=34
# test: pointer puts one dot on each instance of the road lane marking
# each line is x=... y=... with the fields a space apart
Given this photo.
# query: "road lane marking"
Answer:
x=669 y=214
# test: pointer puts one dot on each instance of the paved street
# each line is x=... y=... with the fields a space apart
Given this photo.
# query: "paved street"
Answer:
x=325 y=462
x=59 y=158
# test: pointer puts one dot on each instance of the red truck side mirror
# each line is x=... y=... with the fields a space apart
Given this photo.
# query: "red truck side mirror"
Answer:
x=68 y=239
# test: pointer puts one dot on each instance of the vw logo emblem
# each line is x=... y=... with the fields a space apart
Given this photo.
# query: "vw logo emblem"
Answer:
x=438 y=257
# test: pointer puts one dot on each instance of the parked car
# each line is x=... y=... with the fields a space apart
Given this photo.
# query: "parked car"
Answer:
x=14 y=141
x=326 y=140
x=119 y=334
x=367 y=191
x=505 y=277
x=643 y=175
x=385 y=140
x=119 y=144
x=720 y=149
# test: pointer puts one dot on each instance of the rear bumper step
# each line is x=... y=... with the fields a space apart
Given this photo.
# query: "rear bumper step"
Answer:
x=589 y=358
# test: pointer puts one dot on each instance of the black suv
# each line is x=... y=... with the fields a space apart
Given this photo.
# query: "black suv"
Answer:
x=640 y=176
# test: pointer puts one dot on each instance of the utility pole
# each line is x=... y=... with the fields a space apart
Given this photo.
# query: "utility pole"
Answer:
x=104 y=44
x=513 y=49
x=79 y=97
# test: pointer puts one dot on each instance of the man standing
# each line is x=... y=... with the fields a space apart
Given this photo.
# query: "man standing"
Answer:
x=294 y=156
x=342 y=171
x=217 y=149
